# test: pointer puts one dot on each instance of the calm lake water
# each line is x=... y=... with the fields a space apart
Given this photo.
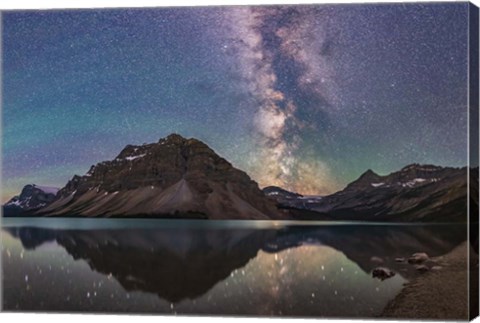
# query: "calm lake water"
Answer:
x=258 y=268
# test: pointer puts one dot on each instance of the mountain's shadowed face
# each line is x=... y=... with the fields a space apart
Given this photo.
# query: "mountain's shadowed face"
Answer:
x=302 y=97
x=416 y=193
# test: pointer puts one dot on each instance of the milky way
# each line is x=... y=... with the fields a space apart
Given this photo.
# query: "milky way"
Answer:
x=304 y=97
x=265 y=41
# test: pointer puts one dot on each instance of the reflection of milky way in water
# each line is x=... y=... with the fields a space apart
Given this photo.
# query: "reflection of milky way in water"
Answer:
x=256 y=272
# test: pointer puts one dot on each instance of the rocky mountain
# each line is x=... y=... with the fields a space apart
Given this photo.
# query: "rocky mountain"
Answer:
x=292 y=201
x=175 y=177
x=183 y=178
x=414 y=193
x=32 y=197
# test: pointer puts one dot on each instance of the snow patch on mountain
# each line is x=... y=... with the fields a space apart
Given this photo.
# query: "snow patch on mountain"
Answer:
x=413 y=182
x=14 y=201
x=135 y=157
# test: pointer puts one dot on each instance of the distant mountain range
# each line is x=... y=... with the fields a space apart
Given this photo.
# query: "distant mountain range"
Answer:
x=32 y=198
x=415 y=193
x=184 y=178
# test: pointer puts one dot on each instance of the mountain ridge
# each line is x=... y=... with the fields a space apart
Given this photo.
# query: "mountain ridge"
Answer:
x=178 y=177
x=32 y=197
x=174 y=177
x=414 y=193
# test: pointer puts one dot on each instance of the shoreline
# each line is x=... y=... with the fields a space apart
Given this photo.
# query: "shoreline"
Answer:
x=437 y=294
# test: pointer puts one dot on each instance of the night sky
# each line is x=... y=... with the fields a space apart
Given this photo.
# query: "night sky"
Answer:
x=305 y=97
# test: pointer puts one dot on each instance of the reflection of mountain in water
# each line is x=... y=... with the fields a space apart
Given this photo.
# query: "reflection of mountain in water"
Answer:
x=367 y=245
x=185 y=263
x=175 y=264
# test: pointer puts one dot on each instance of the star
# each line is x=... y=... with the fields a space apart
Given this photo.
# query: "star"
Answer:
x=304 y=97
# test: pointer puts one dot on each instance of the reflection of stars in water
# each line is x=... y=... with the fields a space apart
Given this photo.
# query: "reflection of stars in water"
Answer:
x=48 y=272
x=295 y=277
x=306 y=280
x=284 y=271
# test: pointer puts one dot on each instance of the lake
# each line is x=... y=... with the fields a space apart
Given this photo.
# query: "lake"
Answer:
x=251 y=268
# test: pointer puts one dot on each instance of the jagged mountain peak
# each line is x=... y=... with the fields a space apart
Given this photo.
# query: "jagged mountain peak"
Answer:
x=173 y=175
x=28 y=189
x=364 y=180
x=408 y=176
x=419 y=173
x=174 y=137
x=369 y=174
x=415 y=192
x=32 y=197
x=172 y=141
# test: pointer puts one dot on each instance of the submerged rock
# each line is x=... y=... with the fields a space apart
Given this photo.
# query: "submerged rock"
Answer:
x=418 y=258
x=422 y=268
x=401 y=259
x=376 y=259
x=382 y=273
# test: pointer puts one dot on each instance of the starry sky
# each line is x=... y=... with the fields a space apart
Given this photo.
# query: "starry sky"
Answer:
x=304 y=97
